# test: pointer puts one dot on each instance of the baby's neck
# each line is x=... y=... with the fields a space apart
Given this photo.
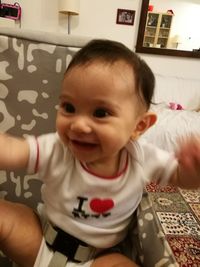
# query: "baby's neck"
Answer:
x=108 y=167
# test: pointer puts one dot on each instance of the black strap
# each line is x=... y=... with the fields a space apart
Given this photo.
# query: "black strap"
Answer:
x=73 y=248
x=66 y=244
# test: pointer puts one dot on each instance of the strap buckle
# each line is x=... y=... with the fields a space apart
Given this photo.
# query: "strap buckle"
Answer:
x=75 y=249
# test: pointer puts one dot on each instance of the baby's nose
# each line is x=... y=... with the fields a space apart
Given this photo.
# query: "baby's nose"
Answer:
x=81 y=125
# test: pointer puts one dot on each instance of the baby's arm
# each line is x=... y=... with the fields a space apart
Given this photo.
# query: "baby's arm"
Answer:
x=20 y=229
x=14 y=152
x=187 y=174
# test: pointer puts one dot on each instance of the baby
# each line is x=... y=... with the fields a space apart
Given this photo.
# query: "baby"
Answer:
x=94 y=168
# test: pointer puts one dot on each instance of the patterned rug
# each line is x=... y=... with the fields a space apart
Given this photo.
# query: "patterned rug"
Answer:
x=178 y=212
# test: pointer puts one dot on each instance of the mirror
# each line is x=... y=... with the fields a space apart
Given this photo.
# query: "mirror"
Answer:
x=161 y=31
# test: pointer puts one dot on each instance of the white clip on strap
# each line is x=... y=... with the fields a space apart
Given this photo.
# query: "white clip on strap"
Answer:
x=58 y=259
x=49 y=233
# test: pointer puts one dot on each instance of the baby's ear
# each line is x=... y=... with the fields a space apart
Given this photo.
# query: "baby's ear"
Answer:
x=144 y=123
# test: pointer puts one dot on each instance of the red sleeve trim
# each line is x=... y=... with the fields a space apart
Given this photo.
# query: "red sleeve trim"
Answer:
x=37 y=156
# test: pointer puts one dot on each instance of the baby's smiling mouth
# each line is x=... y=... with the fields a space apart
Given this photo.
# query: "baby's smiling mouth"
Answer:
x=83 y=144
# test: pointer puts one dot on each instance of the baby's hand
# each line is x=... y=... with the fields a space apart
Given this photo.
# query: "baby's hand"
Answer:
x=188 y=157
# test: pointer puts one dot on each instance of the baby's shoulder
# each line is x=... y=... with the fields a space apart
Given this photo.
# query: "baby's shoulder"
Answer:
x=142 y=151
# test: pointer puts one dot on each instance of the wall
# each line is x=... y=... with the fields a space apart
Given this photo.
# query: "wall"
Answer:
x=98 y=19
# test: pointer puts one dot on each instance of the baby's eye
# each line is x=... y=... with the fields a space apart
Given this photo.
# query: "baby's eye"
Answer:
x=100 y=113
x=68 y=107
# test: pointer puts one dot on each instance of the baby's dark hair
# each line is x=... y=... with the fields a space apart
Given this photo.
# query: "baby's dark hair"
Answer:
x=112 y=51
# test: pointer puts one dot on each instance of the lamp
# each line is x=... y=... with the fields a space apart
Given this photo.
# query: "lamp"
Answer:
x=177 y=40
x=69 y=7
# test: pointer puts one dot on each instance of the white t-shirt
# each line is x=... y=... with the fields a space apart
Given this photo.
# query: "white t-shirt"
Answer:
x=94 y=209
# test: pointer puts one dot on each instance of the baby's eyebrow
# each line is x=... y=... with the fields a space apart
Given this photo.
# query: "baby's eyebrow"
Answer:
x=64 y=96
x=95 y=102
x=107 y=105
x=61 y=97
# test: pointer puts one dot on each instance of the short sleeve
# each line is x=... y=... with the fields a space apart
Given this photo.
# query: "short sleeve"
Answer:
x=40 y=150
x=33 y=154
x=46 y=153
x=157 y=164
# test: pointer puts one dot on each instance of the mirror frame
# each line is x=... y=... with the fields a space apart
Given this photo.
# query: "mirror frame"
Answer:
x=158 y=51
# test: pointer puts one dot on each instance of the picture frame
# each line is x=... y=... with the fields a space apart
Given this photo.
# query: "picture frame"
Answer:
x=125 y=16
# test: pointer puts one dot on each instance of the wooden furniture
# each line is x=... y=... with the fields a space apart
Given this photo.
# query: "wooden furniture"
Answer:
x=157 y=30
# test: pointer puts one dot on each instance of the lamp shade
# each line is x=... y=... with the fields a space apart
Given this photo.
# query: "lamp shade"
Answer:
x=69 y=7
x=178 y=39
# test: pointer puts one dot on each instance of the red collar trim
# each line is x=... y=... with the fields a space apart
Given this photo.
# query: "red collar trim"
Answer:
x=108 y=177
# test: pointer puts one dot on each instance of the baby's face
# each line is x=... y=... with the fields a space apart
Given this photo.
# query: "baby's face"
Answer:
x=98 y=110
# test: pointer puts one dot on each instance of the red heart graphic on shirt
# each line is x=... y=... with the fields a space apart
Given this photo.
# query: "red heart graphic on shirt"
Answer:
x=101 y=205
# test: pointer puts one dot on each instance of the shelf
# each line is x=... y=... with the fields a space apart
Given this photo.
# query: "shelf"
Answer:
x=157 y=30
x=164 y=28
x=149 y=36
x=151 y=27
